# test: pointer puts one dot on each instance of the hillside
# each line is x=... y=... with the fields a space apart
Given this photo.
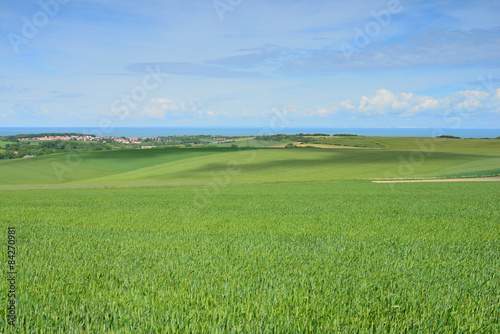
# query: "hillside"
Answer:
x=398 y=159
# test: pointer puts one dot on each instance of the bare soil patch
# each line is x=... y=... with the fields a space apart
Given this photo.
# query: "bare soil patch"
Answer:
x=298 y=144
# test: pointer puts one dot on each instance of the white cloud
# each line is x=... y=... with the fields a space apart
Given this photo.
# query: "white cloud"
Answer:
x=380 y=102
x=408 y=104
x=248 y=112
x=474 y=94
x=321 y=111
x=384 y=102
x=292 y=109
x=348 y=105
x=160 y=108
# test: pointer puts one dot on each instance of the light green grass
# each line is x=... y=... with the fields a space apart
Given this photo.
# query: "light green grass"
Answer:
x=303 y=165
x=206 y=165
x=413 y=143
x=438 y=144
x=202 y=251
x=370 y=142
x=316 y=257
x=254 y=143
x=77 y=166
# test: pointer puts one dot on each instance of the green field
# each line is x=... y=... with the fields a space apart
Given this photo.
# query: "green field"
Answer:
x=288 y=257
x=250 y=142
x=400 y=158
x=369 y=142
x=223 y=240
x=412 y=143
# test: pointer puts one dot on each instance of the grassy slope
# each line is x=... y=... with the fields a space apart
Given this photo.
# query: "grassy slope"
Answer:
x=439 y=158
x=302 y=165
x=253 y=143
x=415 y=143
x=284 y=257
x=324 y=257
x=438 y=144
x=369 y=142
x=59 y=168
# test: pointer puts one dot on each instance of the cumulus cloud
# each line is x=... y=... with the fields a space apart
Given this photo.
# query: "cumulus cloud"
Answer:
x=160 y=107
x=346 y=105
x=405 y=104
x=165 y=108
x=381 y=103
x=384 y=101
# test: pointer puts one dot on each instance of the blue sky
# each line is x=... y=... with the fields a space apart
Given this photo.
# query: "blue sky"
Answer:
x=396 y=63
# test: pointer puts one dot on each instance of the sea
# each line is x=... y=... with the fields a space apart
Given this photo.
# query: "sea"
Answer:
x=149 y=132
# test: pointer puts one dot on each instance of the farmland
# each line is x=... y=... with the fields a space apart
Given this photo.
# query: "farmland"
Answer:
x=294 y=257
x=400 y=158
x=266 y=240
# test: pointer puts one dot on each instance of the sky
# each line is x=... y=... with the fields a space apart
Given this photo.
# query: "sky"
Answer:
x=242 y=63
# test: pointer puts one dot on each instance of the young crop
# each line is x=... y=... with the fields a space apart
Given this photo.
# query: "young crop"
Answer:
x=346 y=256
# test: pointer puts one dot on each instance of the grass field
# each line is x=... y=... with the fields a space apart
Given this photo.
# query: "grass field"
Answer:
x=291 y=257
x=441 y=144
x=369 y=142
x=436 y=158
x=254 y=143
x=413 y=143
x=249 y=241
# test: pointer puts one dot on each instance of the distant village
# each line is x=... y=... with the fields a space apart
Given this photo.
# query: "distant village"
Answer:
x=31 y=145
x=123 y=140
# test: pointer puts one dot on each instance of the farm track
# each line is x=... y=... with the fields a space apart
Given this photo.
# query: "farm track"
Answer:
x=472 y=179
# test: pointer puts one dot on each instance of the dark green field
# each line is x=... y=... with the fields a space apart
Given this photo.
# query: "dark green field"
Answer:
x=250 y=241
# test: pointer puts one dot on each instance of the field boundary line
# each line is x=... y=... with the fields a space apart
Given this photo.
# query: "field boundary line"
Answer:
x=472 y=179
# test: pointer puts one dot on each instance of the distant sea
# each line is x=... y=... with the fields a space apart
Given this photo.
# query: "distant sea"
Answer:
x=155 y=132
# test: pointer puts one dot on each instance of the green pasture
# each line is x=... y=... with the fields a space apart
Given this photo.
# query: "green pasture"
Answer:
x=254 y=143
x=198 y=165
x=413 y=143
x=77 y=166
x=440 y=144
x=343 y=256
x=369 y=142
x=305 y=165
x=267 y=240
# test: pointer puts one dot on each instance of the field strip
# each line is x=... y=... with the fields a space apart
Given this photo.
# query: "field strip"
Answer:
x=97 y=185
x=472 y=179
x=298 y=144
x=336 y=146
x=112 y=185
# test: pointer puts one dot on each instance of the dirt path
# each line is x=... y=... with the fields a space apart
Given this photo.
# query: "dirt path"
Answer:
x=298 y=144
x=475 y=179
